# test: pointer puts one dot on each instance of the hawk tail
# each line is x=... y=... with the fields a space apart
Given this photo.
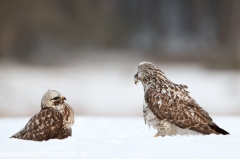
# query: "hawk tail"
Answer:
x=218 y=129
x=19 y=134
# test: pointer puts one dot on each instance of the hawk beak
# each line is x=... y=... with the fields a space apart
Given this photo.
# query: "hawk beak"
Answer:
x=136 y=81
x=63 y=98
x=136 y=78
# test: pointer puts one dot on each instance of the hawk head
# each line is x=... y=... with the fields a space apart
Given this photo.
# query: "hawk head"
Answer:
x=144 y=71
x=52 y=98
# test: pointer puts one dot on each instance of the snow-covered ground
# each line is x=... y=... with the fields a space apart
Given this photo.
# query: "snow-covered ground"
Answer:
x=103 y=84
x=121 y=138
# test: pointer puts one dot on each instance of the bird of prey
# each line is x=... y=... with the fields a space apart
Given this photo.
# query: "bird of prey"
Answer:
x=169 y=108
x=54 y=120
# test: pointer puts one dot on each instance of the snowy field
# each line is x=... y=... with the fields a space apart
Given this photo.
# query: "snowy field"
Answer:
x=121 y=138
x=103 y=85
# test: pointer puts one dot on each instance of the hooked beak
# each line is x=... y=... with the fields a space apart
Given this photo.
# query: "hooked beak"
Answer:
x=136 y=78
x=63 y=98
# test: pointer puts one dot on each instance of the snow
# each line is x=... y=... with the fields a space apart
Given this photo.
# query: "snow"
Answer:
x=104 y=85
x=122 y=138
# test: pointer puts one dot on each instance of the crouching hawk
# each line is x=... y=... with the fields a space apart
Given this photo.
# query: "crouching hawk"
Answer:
x=54 y=120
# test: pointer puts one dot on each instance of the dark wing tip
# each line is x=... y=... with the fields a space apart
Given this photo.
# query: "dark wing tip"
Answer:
x=14 y=136
x=223 y=132
x=219 y=130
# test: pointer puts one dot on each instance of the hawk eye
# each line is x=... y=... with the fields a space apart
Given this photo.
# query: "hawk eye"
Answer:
x=56 y=98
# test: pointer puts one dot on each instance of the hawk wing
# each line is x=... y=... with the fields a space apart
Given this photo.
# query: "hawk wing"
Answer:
x=181 y=112
x=68 y=120
x=42 y=126
x=69 y=113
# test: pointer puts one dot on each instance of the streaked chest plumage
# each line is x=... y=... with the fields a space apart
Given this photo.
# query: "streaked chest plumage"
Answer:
x=67 y=113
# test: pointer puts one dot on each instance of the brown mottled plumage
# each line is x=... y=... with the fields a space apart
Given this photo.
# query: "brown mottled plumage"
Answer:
x=52 y=122
x=169 y=108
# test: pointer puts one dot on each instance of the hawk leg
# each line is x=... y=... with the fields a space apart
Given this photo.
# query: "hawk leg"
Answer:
x=159 y=134
x=64 y=133
x=164 y=128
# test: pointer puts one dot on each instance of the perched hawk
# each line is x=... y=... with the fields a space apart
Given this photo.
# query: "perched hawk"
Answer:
x=168 y=107
x=54 y=120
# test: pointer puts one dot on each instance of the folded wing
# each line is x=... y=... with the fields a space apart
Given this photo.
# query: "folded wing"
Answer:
x=186 y=114
x=43 y=126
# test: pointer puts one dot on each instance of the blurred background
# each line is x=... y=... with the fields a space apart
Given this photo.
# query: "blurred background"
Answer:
x=89 y=50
